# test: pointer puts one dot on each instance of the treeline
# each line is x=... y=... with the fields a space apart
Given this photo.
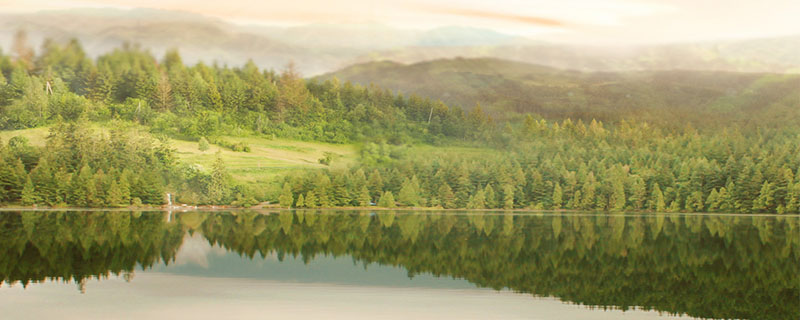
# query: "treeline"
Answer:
x=81 y=168
x=202 y=101
x=566 y=165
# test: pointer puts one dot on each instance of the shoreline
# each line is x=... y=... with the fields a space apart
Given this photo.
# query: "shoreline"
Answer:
x=269 y=210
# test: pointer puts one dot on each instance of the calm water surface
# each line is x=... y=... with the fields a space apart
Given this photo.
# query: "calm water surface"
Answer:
x=396 y=265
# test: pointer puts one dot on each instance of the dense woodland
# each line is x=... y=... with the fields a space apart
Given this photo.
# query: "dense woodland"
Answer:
x=678 y=264
x=528 y=162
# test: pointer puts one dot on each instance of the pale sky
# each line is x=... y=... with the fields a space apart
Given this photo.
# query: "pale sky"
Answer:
x=610 y=21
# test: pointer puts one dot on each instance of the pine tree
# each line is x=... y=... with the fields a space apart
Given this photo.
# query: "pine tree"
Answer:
x=766 y=198
x=82 y=187
x=101 y=188
x=300 y=202
x=219 y=181
x=477 y=201
x=386 y=200
x=712 y=202
x=286 y=198
x=617 y=200
x=638 y=193
x=508 y=197
x=29 y=196
x=203 y=144
x=114 y=196
x=557 y=195
x=656 y=201
x=576 y=200
x=491 y=197
x=446 y=197
x=341 y=196
x=213 y=98
x=363 y=197
x=311 y=200
x=375 y=184
x=793 y=199
x=322 y=189
x=409 y=194
x=588 y=191
x=727 y=202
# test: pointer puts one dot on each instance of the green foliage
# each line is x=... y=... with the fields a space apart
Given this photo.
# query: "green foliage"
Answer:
x=286 y=198
x=29 y=196
x=575 y=162
x=387 y=200
x=202 y=145
x=364 y=200
x=217 y=187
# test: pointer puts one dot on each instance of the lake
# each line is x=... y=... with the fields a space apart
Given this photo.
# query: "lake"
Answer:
x=396 y=265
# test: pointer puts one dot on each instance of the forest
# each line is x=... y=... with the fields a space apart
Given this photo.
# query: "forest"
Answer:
x=110 y=118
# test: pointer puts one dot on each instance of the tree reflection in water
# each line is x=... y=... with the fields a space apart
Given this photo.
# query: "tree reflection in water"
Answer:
x=711 y=266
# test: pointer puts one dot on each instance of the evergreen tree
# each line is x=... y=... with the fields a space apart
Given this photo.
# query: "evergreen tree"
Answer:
x=114 y=196
x=219 y=181
x=617 y=200
x=713 y=202
x=311 y=200
x=29 y=196
x=83 y=190
x=446 y=197
x=203 y=144
x=638 y=193
x=657 y=202
x=386 y=200
x=286 y=198
x=508 y=197
x=409 y=194
x=557 y=194
x=491 y=197
x=363 y=197
x=588 y=192
x=300 y=201
x=695 y=201
x=477 y=201
x=766 y=198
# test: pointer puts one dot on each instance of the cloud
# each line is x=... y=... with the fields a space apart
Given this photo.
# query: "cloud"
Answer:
x=472 y=13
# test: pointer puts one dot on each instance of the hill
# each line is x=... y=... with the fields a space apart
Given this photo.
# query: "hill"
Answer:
x=506 y=88
x=320 y=48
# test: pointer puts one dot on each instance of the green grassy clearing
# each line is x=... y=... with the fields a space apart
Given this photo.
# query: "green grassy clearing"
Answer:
x=268 y=157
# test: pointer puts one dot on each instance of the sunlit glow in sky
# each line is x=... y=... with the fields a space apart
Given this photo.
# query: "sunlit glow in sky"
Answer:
x=623 y=21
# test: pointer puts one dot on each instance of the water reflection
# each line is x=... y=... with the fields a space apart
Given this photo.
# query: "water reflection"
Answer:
x=704 y=266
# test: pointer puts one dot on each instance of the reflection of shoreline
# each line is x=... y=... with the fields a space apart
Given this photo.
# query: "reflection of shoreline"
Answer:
x=659 y=262
x=495 y=212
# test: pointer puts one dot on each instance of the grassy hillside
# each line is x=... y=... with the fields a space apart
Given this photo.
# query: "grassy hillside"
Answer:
x=506 y=88
x=267 y=158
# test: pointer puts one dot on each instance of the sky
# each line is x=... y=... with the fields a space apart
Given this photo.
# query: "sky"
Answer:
x=609 y=21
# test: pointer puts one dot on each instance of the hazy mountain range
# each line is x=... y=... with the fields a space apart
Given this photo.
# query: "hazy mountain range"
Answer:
x=506 y=88
x=321 y=48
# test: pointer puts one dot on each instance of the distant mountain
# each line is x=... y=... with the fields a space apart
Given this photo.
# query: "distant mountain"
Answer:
x=320 y=48
x=315 y=48
x=759 y=55
x=506 y=88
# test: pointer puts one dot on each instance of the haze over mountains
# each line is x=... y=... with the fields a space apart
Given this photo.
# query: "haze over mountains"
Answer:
x=322 y=48
x=507 y=88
